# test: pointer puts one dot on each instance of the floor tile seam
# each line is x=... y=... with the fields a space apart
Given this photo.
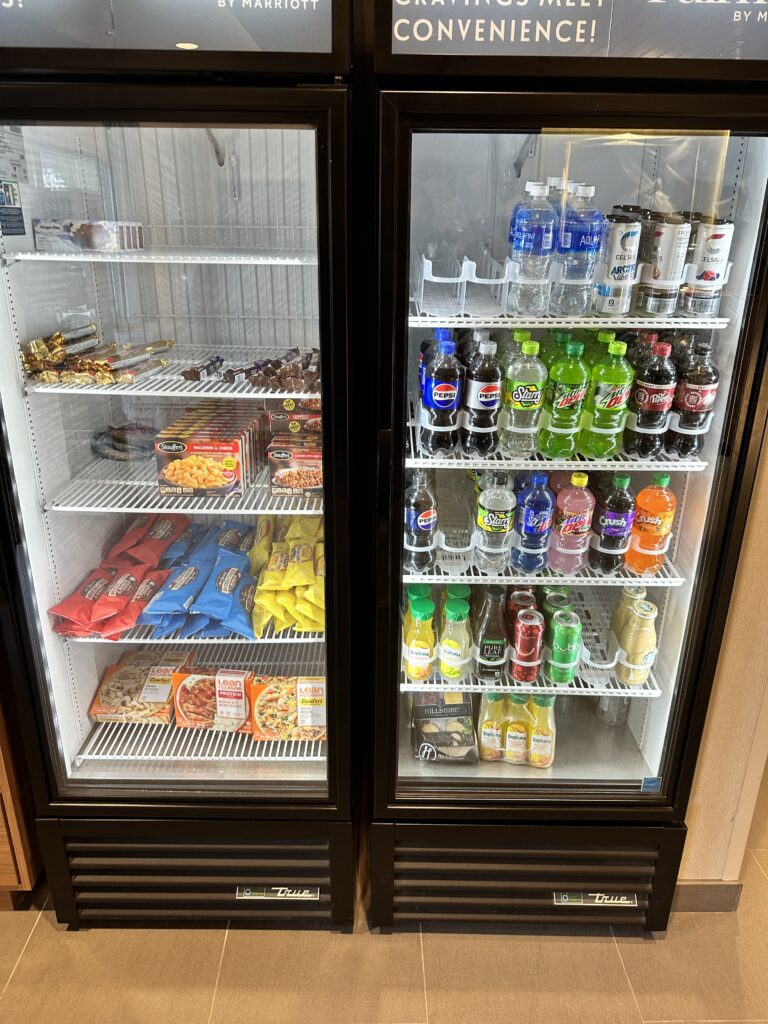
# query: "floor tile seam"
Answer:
x=218 y=973
x=711 y=1020
x=24 y=947
x=759 y=865
x=424 y=974
x=626 y=975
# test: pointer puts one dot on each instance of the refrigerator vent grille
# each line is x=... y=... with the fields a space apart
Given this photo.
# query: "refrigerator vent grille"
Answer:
x=436 y=883
x=153 y=881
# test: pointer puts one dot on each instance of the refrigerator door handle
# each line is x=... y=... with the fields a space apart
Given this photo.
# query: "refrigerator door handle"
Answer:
x=383 y=480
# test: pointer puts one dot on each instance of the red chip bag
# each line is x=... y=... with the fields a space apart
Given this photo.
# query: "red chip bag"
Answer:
x=71 y=629
x=79 y=605
x=126 y=619
x=117 y=595
x=116 y=558
x=158 y=538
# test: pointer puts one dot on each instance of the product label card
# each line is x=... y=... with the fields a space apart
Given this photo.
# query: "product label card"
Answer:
x=523 y=396
x=13 y=157
x=157 y=686
x=310 y=702
x=230 y=694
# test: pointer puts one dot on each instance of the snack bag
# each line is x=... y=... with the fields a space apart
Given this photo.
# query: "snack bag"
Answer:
x=288 y=708
x=215 y=598
x=116 y=558
x=315 y=592
x=78 y=606
x=158 y=538
x=300 y=572
x=261 y=619
x=181 y=547
x=442 y=727
x=210 y=698
x=303 y=528
x=177 y=594
x=231 y=535
x=273 y=575
x=169 y=625
x=118 y=593
x=240 y=618
x=126 y=619
x=259 y=553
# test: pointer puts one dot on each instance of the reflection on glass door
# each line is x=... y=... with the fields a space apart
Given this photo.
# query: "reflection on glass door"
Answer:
x=162 y=398
x=575 y=314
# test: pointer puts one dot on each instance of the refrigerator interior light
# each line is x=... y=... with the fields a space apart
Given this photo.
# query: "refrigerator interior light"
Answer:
x=187 y=46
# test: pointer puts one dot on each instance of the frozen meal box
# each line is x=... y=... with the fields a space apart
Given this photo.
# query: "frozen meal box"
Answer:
x=295 y=423
x=295 y=469
x=289 y=708
x=293 y=405
x=64 y=235
x=203 y=466
x=213 y=698
x=138 y=689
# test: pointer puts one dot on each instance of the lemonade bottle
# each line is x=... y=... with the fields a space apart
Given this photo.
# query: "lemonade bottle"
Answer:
x=516 y=734
x=541 y=747
x=414 y=590
x=638 y=639
x=490 y=727
x=455 y=641
x=653 y=524
x=420 y=640
x=453 y=592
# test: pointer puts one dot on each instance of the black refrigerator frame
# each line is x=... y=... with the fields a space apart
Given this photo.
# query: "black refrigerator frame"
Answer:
x=188 y=855
x=422 y=847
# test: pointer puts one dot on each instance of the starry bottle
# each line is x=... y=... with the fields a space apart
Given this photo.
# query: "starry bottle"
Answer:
x=523 y=400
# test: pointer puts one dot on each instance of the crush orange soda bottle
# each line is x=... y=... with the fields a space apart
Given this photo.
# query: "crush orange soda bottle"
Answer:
x=653 y=524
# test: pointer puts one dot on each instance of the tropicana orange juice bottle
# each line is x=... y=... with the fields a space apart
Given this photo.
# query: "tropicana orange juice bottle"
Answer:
x=516 y=734
x=420 y=640
x=541 y=747
x=653 y=524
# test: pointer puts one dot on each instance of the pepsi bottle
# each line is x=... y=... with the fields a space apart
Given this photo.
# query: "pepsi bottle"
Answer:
x=441 y=393
x=419 y=545
x=482 y=399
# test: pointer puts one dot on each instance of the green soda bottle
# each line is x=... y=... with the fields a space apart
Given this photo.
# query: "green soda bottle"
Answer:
x=606 y=406
x=596 y=350
x=564 y=400
x=554 y=347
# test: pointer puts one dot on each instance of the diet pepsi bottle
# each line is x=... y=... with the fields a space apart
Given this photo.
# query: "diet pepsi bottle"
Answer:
x=579 y=238
x=441 y=402
x=420 y=543
x=482 y=399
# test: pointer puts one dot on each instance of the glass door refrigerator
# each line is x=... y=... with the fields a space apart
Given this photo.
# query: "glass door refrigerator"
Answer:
x=575 y=289
x=173 y=351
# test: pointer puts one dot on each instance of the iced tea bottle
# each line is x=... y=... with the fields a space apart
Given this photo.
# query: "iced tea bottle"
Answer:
x=653 y=524
x=490 y=727
x=517 y=730
x=541 y=747
x=420 y=640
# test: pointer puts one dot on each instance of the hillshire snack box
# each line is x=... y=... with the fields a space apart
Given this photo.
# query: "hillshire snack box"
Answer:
x=289 y=708
x=213 y=698
x=295 y=466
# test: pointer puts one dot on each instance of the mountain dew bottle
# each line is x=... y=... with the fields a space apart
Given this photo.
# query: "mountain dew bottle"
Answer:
x=553 y=348
x=597 y=348
x=566 y=391
x=606 y=405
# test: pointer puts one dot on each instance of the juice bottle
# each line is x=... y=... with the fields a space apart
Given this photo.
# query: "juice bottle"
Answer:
x=453 y=592
x=653 y=524
x=414 y=590
x=455 y=641
x=490 y=727
x=420 y=640
x=629 y=594
x=516 y=733
x=638 y=639
x=541 y=748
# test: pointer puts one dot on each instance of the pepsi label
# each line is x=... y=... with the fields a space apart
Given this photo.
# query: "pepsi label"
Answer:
x=442 y=395
x=483 y=397
x=421 y=522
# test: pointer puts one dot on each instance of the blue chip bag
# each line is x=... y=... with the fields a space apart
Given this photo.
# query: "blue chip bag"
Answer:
x=206 y=550
x=214 y=630
x=171 y=624
x=178 y=551
x=240 y=618
x=192 y=626
x=215 y=599
x=231 y=535
x=178 y=592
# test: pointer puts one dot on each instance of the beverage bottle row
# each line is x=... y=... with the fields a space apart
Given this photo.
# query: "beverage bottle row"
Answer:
x=571 y=259
x=566 y=396
x=517 y=729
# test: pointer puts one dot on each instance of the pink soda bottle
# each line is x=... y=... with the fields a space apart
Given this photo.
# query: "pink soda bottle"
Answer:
x=569 y=548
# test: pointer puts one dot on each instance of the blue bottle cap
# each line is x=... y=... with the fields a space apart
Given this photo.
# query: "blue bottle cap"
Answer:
x=539 y=479
x=446 y=348
x=443 y=334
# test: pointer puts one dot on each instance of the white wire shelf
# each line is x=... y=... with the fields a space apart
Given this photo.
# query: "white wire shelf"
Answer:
x=414 y=459
x=129 y=741
x=173 y=254
x=145 y=635
x=104 y=489
x=170 y=384
x=479 y=318
x=595 y=610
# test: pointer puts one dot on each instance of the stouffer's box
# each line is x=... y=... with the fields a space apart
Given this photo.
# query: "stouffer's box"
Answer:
x=295 y=466
x=296 y=423
x=289 y=708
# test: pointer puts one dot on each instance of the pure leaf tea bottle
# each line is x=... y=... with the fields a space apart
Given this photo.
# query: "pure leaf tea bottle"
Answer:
x=492 y=637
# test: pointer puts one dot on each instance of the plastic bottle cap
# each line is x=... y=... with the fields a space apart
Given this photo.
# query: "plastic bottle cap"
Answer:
x=517 y=698
x=458 y=591
x=645 y=610
x=443 y=334
x=574 y=348
x=536 y=188
x=554 y=182
x=621 y=480
x=530 y=348
x=422 y=608
x=446 y=348
x=416 y=590
x=542 y=701
x=456 y=611
x=539 y=479
x=661 y=479
x=617 y=348
x=586 y=191
x=606 y=336
x=562 y=337
x=661 y=348
x=499 y=478
x=481 y=336
x=574 y=186
x=487 y=348
x=579 y=479
x=521 y=336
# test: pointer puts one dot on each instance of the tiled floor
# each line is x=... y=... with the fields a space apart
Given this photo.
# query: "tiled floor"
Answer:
x=707 y=968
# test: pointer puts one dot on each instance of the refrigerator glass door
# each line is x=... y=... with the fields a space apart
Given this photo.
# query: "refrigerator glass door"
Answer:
x=656 y=250
x=161 y=393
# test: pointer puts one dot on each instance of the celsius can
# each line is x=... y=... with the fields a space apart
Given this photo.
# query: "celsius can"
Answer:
x=564 y=648
x=529 y=640
x=663 y=274
x=711 y=240
x=618 y=265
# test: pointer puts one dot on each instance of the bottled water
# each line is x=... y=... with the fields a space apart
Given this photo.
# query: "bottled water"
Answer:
x=579 y=239
x=532 y=240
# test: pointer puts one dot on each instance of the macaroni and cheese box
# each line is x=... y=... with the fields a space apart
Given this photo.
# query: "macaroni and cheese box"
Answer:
x=289 y=708
x=213 y=698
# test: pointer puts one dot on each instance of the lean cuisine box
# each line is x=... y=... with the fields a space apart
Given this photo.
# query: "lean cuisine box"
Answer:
x=56 y=235
x=139 y=688
x=213 y=698
x=289 y=708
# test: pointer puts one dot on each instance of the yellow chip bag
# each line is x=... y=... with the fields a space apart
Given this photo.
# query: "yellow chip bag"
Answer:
x=273 y=574
x=300 y=571
x=259 y=553
x=261 y=619
x=315 y=592
x=282 y=526
x=303 y=528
